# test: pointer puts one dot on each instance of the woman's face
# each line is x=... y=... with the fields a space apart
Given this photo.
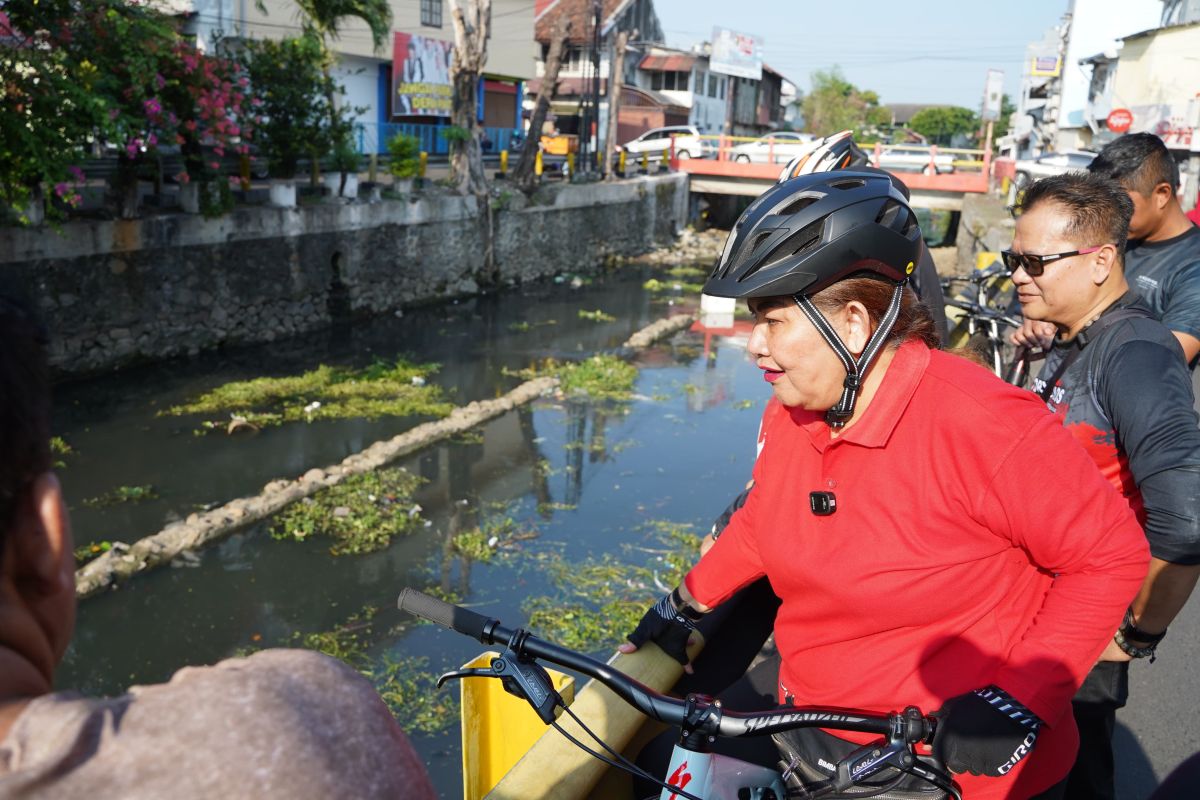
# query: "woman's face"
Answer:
x=802 y=369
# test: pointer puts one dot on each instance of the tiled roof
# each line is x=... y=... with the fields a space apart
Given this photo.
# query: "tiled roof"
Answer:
x=668 y=63
x=580 y=14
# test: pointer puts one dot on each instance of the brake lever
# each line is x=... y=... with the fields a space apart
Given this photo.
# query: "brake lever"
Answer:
x=869 y=759
x=521 y=677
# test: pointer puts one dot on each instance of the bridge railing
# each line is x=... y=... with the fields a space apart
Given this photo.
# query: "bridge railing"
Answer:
x=750 y=150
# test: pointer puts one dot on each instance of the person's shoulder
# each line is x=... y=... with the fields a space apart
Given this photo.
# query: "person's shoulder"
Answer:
x=970 y=395
x=1136 y=334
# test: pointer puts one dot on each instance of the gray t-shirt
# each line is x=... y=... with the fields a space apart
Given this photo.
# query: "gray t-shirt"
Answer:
x=1167 y=276
x=280 y=724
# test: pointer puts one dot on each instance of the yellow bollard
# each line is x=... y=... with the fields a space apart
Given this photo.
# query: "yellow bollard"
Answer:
x=985 y=259
x=423 y=163
x=621 y=163
x=373 y=168
x=537 y=164
x=503 y=163
x=645 y=163
x=244 y=171
x=570 y=164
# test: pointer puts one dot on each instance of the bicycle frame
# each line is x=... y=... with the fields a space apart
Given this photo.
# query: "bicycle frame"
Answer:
x=716 y=775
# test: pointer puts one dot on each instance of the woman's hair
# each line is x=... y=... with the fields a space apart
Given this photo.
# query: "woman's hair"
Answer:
x=913 y=322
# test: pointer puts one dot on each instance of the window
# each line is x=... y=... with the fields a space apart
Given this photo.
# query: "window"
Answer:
x=656 y=81
x=712 y=85
x=431 y=13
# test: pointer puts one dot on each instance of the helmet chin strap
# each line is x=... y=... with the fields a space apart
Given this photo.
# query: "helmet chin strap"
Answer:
x=856 y=369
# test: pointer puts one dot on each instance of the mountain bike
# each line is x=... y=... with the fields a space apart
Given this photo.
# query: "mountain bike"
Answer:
x=982 y=315
x=870 y=771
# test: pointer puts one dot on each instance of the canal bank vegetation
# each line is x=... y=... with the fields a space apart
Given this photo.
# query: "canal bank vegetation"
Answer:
x=123 y=494
x=602 y=377
x=398 y=389
x=361 y=514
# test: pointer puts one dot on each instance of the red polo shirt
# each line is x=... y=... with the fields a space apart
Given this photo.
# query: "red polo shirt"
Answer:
x=974 y=542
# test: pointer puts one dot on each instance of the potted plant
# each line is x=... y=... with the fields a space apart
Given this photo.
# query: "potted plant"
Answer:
x=291 y=116
x=405 y=163
x=343 y=180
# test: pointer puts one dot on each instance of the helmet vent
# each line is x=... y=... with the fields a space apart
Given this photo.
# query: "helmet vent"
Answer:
x=798 y=205
x=849 y=183
x=888 y=214
x=762 y=237
x=795 y=245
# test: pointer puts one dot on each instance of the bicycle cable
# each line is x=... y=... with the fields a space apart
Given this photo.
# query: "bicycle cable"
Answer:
x=632 y=769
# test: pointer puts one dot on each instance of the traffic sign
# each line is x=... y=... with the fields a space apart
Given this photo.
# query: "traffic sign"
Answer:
x=1120 y=120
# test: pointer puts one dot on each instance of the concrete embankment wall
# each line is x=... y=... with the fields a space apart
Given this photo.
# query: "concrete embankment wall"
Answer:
x=115 y=292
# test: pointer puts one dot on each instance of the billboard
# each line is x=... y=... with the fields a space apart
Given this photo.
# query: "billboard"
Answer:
x=737 y=54
x=1046 y=66
x=993 y=95
x=421 y=76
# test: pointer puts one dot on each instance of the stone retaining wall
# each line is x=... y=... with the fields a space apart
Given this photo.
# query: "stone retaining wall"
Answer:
x=115 y=292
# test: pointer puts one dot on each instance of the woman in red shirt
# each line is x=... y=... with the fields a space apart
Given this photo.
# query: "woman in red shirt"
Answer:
x=935 y=536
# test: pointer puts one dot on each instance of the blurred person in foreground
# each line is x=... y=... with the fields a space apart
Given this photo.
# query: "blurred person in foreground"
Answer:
x=279 y=724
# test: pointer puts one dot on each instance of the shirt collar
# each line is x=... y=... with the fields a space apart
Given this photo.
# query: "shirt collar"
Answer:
x=876 y=425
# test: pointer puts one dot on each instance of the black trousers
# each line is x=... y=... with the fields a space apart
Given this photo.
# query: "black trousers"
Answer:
x=1105 y=689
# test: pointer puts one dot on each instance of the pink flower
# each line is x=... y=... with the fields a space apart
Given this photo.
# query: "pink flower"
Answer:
x=77 y=174
x=61 y=189
x=183 y=177
x=159 y=80
x=214 y=165
x=179 y=139
x=243 y=81
x=152 y=140
x=235 y=182
x=190 y=125
x=220 y=151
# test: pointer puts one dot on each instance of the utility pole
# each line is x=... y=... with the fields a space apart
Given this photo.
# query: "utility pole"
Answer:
x=593 y=121
x=616 y=83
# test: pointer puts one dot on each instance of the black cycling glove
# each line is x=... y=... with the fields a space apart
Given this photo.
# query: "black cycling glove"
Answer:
x=668 y=623
x=984 y=732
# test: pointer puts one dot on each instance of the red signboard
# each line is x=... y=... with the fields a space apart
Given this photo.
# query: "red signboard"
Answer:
x=421 y=76
x=1120 y=120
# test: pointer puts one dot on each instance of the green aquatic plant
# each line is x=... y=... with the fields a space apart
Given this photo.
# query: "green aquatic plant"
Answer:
x=687 y=271
x=655 y=285
x=59 y=449
x=495 y=537
x=600 y=377
x=597 y=602
x=383 y=389
x=742 y=405
x=123 y=494
x=596 y=316
x=361 y=514
x=87 y=552
x=525 y=327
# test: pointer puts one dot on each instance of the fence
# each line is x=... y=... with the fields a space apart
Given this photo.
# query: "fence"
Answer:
x=372 y=137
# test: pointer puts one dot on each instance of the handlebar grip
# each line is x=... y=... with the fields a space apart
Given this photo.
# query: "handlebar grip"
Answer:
x=456 y=618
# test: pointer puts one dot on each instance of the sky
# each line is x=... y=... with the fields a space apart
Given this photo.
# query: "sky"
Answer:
x=920 y=51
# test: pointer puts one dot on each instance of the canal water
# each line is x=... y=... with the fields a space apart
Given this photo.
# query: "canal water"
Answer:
x=586 y=481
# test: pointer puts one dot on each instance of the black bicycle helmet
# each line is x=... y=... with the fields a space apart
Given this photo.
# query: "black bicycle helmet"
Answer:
x=810 y=232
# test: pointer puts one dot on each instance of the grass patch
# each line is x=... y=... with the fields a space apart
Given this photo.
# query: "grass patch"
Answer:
x=381 y=390
x=361 y=514
x=123 y=494
x=596 y=316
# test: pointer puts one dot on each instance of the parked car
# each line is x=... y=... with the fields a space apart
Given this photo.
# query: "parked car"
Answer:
x=1047 y=164
x=657 y=142
x=778 y=148
x=914 y=158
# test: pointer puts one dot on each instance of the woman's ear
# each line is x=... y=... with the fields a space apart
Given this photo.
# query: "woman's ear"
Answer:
x=856 y=323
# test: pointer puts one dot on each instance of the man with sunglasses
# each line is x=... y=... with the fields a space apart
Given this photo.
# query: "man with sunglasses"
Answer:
x=1116 y=377
x=1162 y=262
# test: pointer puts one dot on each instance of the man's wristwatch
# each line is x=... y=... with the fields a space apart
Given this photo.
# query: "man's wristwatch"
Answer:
x=1129 y=633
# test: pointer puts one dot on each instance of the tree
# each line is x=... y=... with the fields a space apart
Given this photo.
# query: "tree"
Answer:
x=472 y=29
x=523 y=175
x=834 y=104
x=942 y=123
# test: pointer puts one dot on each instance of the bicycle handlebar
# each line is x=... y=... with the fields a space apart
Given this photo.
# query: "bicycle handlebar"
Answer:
x=716 y=721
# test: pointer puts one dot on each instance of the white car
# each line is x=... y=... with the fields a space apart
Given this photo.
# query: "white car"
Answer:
x=657 y=142
x=778 y=148
x=1047 y=164
x=913 y=158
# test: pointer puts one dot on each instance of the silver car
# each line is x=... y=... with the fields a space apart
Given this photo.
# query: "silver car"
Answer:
x=1047 y=164
x=778 y=148
x=914 y=158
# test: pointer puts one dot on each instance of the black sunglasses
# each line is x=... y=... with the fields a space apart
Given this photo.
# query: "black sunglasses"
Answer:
x=1035 y=265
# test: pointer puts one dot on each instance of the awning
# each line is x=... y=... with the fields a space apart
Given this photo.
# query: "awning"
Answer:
x=676 y=62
